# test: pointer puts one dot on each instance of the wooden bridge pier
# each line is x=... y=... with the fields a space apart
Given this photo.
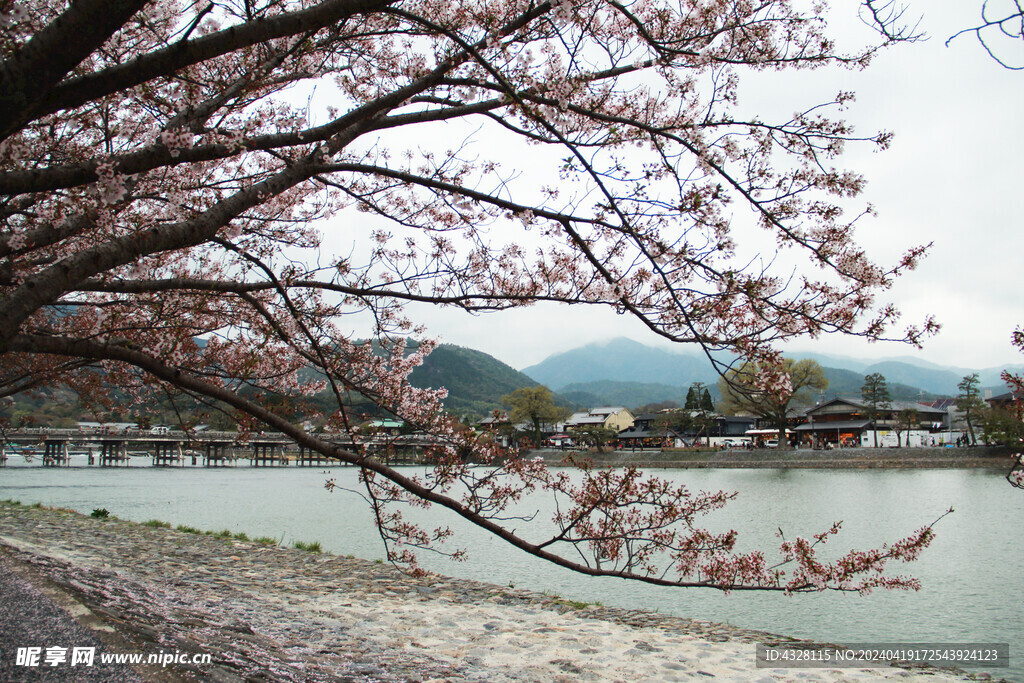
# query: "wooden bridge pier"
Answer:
x=113 y=452
x=167 y=453
x=55 y=453
x=309 y=457
x=398 y=454
x=267 y=454
x=219 y=454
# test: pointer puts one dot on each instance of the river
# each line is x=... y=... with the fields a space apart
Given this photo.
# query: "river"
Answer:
x=970 y=574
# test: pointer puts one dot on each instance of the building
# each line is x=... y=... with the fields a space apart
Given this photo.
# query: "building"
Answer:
x=609 y=417
x=647 y=431
x=1011 y=400
x=847 y=422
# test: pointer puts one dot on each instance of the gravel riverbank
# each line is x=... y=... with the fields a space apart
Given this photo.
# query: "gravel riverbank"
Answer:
x=266 y=613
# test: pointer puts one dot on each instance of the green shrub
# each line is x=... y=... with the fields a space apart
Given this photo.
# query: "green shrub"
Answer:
x=189 y=529
x=265 y=540
x=313 y=547
x=98 y=513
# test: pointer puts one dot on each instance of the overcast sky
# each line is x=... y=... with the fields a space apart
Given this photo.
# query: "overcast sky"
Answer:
x=953 y=176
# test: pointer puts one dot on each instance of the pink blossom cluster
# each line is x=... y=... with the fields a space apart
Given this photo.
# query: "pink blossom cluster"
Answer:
x=176 y=140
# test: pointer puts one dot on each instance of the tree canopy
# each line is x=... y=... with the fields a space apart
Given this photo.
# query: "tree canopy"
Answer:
x=535 y=405
x=214 y=198
x=769 y=392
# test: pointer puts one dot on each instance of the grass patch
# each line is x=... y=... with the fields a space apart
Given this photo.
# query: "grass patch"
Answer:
x=574 y=604
x=240 y=536
x=189 y=529
x=313 y=547
x=98 y=513
x=265 y=540
x=156 y=524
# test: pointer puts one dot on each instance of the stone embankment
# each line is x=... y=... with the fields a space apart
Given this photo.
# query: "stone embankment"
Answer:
x=846 y=458
x=266 y=613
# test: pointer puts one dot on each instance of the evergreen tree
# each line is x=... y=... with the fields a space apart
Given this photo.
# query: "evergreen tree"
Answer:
x=706 y=404
x=969 y=403
x=692 y=402
x=875 y=393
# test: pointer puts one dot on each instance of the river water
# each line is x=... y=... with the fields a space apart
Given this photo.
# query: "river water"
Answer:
x=970 y=574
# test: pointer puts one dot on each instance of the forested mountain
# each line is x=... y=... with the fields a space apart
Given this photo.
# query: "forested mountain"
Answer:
x=912 y=372
x=622 y=360
x=848 y=383
x=475 y=381
x=628 y=394
x=620 y=372
x=625 y=372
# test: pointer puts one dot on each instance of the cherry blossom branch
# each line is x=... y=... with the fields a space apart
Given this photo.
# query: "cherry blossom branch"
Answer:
x=1010 y=26
x=718 y=570
x=79 y=90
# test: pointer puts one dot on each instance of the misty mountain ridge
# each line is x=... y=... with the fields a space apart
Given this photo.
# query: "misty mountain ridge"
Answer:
x=625 y=360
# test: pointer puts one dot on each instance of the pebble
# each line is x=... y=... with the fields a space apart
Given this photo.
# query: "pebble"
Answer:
x=267 y=613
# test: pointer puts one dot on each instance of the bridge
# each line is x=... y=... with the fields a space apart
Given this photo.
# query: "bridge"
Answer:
x=170 y=448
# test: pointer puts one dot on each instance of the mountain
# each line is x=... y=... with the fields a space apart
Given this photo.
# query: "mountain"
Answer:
x=614 y=393
x=938 y=381
x=913 y=372
x=848 y=383
x=622 y=360
x=475 y=381
x=629 y=373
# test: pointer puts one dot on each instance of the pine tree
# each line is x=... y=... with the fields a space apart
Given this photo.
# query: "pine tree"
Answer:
x=875 y=393
x=692 y=402
x=706 y=404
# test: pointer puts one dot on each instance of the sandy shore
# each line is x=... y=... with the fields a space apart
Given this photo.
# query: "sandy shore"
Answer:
x=265 y=613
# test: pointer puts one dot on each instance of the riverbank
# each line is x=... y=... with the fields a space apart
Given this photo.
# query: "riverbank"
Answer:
x=983 y=457
x=263 y=612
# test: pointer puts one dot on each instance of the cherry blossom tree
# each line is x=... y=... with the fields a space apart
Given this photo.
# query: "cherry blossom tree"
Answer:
x=212 y=198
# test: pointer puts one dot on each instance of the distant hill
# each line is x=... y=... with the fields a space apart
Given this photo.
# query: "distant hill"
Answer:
x=628 y=394
x=475 y=381
x=633 y=394
x=912 y=372
x=629 y=373
x=849 y=383
x=621 y=360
